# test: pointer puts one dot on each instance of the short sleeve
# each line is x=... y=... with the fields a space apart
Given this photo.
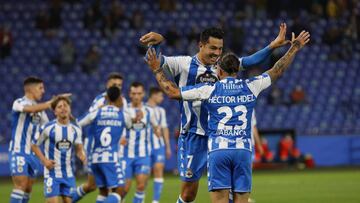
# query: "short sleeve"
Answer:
x=176 y=64
x=78 y=139
x=18 y=106
x=259 y=83
x=44 y=118
x=41 y=135
x=87 y=119
x=197 y=92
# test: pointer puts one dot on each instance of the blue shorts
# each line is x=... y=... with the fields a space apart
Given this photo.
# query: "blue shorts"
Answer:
x=192 y=156
x=108 y=175
x=59 y=186
x=24 y=164
x=158 y=156
x=140 y=165
x=230 y=169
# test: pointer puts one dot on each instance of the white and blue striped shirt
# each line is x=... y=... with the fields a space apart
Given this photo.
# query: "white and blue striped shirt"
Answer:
x=188 y=71
x=230 y=103
x=160 y=115
x=24 y=125
x=138 y=136
x=59 y=141
x=108 y=123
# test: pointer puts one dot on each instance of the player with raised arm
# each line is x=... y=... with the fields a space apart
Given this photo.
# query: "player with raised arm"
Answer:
x=230 y=103
x=59 y=136
x=187 y=70
x=136 y=153
x=160 y=145
x=108 y=123
x=113 y=79
x=27 y=116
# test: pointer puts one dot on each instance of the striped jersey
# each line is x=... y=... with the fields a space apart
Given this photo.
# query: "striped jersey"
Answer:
x=138 y=136
x=160 y=116
x=230 y=103
x=59 y=141
x=189 y=71
x=24 y=125
x=108 y=123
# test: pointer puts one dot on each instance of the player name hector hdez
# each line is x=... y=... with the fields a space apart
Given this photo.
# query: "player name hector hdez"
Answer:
x=231 y=99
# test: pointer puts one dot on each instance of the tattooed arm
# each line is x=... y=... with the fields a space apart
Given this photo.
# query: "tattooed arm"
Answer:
x=283 y=63
x=166 y=85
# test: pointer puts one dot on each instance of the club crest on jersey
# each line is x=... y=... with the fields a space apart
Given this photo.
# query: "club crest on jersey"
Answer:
x=63 y=145
x=206 y=77
x=138 y=126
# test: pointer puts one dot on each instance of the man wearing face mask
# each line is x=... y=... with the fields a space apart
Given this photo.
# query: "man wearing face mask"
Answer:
x=187 y=70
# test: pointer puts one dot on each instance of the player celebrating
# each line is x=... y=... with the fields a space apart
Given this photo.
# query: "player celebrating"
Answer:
x=27 y=115
x=136 y=153
x=230 y=103
x=200 y=68
x=160 y=145
x=59 y=135
x=108 y=123
x=114 y=79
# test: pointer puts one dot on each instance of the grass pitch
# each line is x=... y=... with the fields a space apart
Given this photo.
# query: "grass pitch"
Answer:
x=310 y=186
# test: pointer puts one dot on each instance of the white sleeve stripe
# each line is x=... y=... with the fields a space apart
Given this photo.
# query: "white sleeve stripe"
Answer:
x=197 y=93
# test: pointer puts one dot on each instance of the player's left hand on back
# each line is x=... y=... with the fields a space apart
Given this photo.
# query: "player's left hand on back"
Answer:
x=152 y=60
x=280 y=40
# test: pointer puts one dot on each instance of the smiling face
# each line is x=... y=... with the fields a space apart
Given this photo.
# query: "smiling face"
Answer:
x=211 y=50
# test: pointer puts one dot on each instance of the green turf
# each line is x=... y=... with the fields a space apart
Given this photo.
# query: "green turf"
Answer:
x=272 y=186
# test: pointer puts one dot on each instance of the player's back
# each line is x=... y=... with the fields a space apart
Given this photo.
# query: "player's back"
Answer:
x=108 y=127
x=230 y=107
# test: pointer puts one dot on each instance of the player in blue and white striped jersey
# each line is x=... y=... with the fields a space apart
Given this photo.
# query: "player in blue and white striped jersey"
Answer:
x=59 y=136
x=187 y=70
x=160 y=145
x=27 y=116
x=113 y=79
x=136 y=153
x=230 y=103
x=108 y=123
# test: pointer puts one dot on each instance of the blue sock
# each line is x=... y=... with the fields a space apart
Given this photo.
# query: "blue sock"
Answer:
x=231 y=197
x=16 y=196
x=139 y=197
x=181 y=200
x=158 y=186
x=100 y=199
x=78 y=193
x=112 y=198
x=26 y=197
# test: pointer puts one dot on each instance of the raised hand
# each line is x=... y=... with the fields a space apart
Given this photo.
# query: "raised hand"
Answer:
x=151 y=38
x=153 y=61
x=280 y=40
x=302 y=39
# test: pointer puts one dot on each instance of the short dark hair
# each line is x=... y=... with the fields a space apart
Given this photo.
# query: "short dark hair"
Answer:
x=113 y=93
x=58 y=99
x=32 y=80
x=137 y=84
x=230 y=63
x=154 y=90
x=211 y=32
x=115 y=75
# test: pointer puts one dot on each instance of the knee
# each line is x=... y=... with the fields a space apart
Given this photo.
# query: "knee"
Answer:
x=140 y=187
